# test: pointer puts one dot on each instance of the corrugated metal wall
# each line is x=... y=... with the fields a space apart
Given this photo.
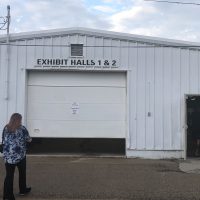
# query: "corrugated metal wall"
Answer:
x=158 y=79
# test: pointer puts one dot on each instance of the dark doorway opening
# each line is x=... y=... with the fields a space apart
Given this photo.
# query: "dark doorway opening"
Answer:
x=87 y=146
x=193 y=126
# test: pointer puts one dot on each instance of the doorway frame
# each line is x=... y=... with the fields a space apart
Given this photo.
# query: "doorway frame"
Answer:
x=185 y=123
x=127 y=102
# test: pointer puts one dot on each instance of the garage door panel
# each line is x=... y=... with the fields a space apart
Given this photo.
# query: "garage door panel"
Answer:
x=85 y=112
x=101 y=100
x=80 y=129
x=77 y=79
x=76 y=94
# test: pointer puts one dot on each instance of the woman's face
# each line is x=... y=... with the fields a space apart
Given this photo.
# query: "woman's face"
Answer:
x=19 y=122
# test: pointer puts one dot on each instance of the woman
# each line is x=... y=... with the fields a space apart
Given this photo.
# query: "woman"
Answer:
x=15 y=137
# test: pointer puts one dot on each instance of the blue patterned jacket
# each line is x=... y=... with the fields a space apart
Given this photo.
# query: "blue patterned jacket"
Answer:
x=14 y=145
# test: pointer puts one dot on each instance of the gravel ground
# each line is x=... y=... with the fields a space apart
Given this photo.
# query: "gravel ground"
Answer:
x=106 y=178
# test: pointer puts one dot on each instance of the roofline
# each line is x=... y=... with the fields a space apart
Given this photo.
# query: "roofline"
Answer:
x=98 y=33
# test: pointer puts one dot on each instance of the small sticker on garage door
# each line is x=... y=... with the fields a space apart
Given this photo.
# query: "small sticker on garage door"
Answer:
x=75 y=108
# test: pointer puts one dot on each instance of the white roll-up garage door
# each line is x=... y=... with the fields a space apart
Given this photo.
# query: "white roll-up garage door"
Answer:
x=76 y=104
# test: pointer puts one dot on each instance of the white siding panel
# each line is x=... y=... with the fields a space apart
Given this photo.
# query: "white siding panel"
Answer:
x=39 y=49
x=116 y=51
x=107 y=49
x=159 y=120
x=99 y=49
x=65 y=51
x=48 y=52
x=31 y=56
x=90 y=50
x=13 y=64
x=3 y=102
x=82 y=40
x=141 y=73
x=124 y=54
x=73 y=39
x=150 y=72
x=133 y=61
x=185 y=82
x=194 y=71
x=167 y=98
x=56 y=41
x=21 y=78
x=176 y=88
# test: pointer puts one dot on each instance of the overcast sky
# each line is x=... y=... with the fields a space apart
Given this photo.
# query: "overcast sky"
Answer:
x=130 y=16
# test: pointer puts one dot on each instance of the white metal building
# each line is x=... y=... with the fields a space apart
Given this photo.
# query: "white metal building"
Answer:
x=84 y=83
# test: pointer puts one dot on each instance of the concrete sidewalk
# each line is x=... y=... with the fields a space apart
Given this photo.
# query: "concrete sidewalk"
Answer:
x=106 y=178
x=190 y=166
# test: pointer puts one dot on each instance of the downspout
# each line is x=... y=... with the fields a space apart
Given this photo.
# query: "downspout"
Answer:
x=7 y=61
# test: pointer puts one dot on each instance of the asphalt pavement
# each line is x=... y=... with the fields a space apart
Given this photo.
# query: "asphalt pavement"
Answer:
x=106 y=178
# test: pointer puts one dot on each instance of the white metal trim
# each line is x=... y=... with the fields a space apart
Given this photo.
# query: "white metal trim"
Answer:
x=128 y=142
x=185 y=128
x=98 y=33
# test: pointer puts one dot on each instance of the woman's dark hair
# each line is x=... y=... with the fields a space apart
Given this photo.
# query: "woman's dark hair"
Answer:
x=15 y=122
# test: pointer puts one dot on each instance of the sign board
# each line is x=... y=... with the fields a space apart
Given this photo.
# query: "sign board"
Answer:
x=70 y=62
